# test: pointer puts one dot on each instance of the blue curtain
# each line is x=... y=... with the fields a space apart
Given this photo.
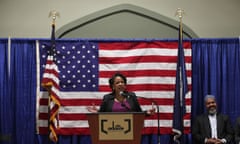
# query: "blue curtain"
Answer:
x=215 y=70
x=5 y=100
x=22 y=92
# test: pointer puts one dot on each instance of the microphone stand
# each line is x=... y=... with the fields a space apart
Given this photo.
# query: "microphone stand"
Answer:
x=158 y=115
x=158 y=118
x=158 y=123
x=123 y=105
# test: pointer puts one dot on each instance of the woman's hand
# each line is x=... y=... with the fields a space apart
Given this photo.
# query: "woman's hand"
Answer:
x=92 y=109
x=151 y=111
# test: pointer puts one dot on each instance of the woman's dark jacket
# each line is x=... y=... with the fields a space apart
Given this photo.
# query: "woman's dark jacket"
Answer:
x=108 y=101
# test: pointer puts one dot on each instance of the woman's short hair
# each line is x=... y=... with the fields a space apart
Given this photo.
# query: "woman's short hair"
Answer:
x=111 y=80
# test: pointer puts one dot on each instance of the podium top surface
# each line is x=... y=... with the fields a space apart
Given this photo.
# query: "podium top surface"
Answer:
x=116 y=113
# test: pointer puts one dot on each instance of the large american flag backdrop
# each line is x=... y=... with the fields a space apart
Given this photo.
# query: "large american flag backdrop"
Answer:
x=85 y=67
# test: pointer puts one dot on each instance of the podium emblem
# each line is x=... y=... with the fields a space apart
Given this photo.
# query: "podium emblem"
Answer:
x=115 y=127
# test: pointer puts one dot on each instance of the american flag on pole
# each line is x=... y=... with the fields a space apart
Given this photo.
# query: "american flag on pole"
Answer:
x=181 y=92
x=85 y=67
x=50 y=82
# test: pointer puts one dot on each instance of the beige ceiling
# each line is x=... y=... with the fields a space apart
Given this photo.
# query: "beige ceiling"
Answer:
x=206 y=18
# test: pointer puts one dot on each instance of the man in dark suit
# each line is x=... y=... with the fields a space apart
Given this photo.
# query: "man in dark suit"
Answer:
x=212 y=127
x=237 y=131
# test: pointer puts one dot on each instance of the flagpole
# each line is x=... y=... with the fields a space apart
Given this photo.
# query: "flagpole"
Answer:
x=178 y=128
x=180 y=13
x=53 y=14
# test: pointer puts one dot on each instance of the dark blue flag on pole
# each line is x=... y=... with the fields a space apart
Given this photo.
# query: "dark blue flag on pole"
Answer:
x=181 y=90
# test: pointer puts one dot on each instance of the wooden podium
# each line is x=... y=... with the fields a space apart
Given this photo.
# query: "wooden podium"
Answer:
x=116 y=128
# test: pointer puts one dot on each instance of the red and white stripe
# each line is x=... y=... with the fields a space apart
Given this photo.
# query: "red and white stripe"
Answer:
x=150 y=68
x=50 y=81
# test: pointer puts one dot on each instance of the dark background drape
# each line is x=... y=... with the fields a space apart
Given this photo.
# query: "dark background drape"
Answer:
x=5 y=100
x=215 y=70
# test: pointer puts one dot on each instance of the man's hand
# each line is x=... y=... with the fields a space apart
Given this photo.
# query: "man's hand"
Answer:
x=214 y=141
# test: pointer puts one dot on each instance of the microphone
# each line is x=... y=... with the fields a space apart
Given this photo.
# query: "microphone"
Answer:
x=124 y=94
